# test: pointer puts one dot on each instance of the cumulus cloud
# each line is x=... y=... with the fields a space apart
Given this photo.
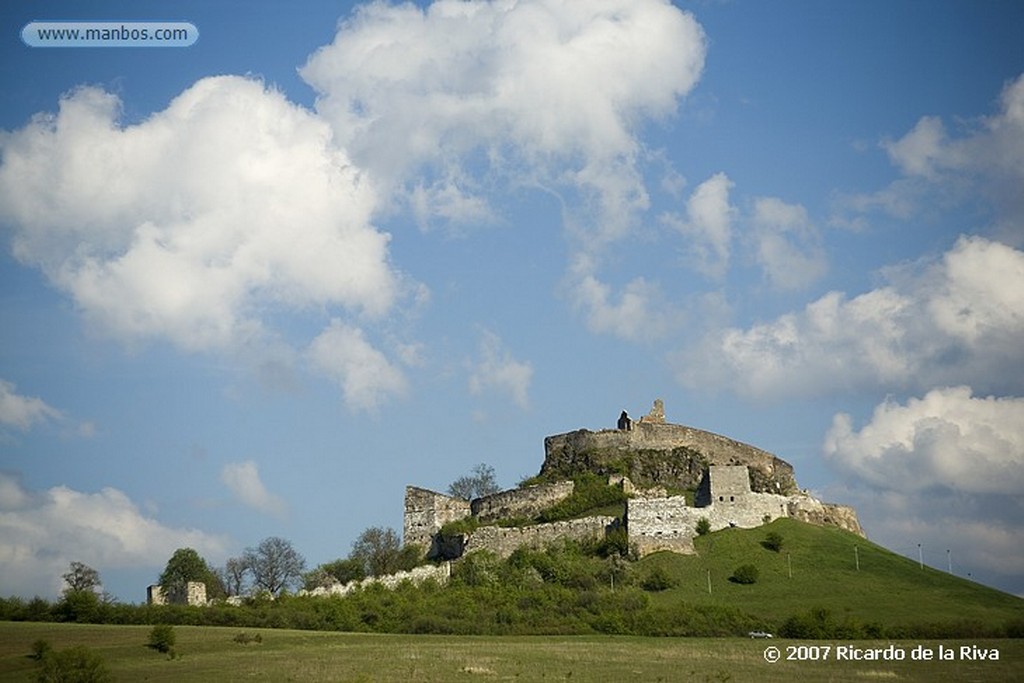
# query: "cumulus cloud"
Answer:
x=948 y=465
x=23 y=412
x=707 y=225
x=497 y=369
x=365 y=375
x=243 y=480
x=191 y=224
x=788 y=246
x=441 y=103
x=41 y=532
x=956 y=320
x=982 y=158
x=948 y=438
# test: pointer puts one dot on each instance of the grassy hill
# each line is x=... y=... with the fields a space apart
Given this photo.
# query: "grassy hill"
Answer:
x=888 y=589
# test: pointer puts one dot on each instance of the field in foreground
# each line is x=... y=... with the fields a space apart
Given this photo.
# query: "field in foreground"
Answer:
x=212 y=653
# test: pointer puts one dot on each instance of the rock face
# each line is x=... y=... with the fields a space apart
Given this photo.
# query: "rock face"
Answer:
x=661 y=454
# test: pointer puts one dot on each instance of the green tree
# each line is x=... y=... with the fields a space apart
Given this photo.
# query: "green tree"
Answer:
x=275 y=564
x=187 y=565
x=479 y=483
x=379 y=552
x=81 y=577
x=703 y=526
x=344 y=571
x=234 y=575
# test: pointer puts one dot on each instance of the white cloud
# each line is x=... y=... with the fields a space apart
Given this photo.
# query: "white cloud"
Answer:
x=22 y=412
x=441 y=103
x=788 y=246
x=948 y=439
x=243 y=480
x=943 y=469
x=954 y=321
x=708 y=225
x=196 y=223
x=42 y=532
x=982 y=159
x=366 y=376
x=496 y=369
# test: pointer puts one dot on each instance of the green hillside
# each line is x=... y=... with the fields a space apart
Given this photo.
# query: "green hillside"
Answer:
x=888 y=589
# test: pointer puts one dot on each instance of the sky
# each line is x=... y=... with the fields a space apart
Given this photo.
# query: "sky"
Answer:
x=256 y=285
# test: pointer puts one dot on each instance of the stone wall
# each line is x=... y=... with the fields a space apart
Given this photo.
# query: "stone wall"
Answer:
x=661 y=524
x=503 y=541
x=653 y=453
x=426 y=512
x=808 y=509
x=193 y=593
x=440 y=573
x=520 y=503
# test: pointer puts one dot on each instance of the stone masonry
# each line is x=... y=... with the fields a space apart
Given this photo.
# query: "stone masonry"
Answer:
x=194 y=593
x=521 y=503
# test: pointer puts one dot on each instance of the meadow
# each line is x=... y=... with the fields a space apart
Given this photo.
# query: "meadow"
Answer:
x=218 y=654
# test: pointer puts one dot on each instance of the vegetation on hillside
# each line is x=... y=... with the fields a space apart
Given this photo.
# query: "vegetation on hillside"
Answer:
x=577 y=588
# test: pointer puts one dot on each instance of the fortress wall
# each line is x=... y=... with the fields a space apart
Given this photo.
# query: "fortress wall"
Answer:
x=808 y=509
x=517 y=503
x=587 y=450
x=657 y=524
x=440 y=573
x=504 y=541
x=426 y=512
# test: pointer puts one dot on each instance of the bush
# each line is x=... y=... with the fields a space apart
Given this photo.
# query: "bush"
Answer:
x=744 y=574
x=657 y=580
x=773 y=541
x=162 y=638
x=703 y=526
x=40 y=649
x=75 y=665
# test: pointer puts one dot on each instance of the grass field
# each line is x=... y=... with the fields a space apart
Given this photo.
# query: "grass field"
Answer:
x=211 y=654
x=887 y=588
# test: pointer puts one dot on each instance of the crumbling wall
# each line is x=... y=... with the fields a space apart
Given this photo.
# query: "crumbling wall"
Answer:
x=426 y=512
x=657 y=524
x=503 y=541
x=192 y=593
x=417 y=575
x=521 y=503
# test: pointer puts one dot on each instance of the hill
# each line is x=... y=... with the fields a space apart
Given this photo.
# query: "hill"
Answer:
x=888 y=589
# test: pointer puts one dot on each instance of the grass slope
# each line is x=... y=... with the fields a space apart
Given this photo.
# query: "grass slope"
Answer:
x=210 y=654
x=888 y=589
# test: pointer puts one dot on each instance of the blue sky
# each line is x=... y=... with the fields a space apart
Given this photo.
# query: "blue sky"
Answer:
x=257 y=285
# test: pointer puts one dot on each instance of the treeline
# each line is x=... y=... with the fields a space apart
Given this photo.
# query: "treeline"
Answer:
x=570 y=589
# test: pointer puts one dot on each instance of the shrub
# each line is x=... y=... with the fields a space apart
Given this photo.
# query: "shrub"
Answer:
x=657 y=580
x=244 y=638
x=40 y=649
x=744 y=574
x=162 y=638
x=773 y=541
x=78 y=664
x=703 y=526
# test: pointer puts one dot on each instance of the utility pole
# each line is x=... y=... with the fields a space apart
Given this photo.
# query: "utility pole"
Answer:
x=789 y=564
x=856 y=557
x=920 y=556
x=709 y=582
x=949 y=561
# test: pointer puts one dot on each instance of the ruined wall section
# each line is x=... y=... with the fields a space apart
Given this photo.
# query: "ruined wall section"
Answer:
x=520 y=503
x=417 y=575
x=652 y=453
x=503 y=541
x=426 y=512
x=656 y=524
x=192 y=593
x=809 y=509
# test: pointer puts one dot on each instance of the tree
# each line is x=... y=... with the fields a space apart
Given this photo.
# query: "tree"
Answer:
x=703 y=526
x=275 y=564
x=379 y=552
x=745 y=574
x=478 y=484
x=81 y=577
x=187 y=565
x=344 y=571
x=233 y=575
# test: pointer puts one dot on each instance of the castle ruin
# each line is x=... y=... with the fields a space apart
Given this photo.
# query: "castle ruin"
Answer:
x=731 y=484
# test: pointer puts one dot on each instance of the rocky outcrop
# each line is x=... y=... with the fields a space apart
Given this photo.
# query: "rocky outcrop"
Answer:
x=659 y=454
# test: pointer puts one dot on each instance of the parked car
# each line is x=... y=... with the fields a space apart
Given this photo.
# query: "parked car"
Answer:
x=760 y=634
